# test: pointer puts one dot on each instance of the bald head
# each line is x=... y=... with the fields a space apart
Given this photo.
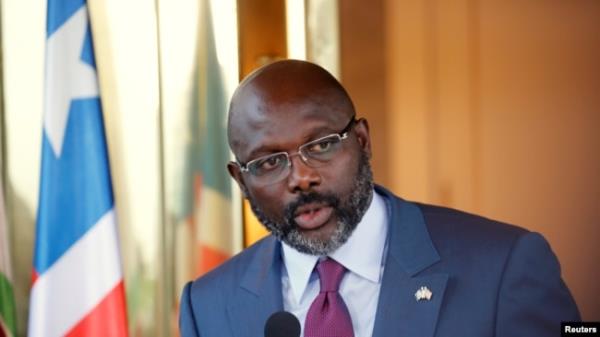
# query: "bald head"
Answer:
x=282 y=90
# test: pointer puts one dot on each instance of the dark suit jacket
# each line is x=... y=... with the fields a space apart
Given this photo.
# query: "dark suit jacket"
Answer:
x=487 y=279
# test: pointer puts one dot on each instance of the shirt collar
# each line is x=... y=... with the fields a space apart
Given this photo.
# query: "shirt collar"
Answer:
x=362 y=254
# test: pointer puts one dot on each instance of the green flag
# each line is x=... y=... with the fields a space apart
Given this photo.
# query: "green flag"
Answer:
x=7 y=298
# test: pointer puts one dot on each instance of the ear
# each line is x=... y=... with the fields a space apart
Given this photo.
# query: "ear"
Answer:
x=236 y=173
x=362 y=134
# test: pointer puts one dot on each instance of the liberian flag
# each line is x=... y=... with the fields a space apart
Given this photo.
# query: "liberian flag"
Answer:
x=77 y=279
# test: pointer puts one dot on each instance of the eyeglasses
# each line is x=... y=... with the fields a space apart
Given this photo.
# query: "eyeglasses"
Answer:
x=275 y=167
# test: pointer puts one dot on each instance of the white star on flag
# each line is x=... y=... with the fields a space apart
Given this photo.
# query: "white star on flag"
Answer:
x=68 y=77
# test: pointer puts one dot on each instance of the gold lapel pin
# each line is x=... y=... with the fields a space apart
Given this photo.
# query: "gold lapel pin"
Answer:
x=423 y=294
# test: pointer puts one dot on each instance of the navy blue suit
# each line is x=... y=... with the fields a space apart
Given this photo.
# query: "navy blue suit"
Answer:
x=486 y=279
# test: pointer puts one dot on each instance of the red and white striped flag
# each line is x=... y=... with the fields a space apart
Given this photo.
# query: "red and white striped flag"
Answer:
x=77 y=279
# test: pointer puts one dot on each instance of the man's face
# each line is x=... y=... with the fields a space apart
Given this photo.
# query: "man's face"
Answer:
x=312 y=209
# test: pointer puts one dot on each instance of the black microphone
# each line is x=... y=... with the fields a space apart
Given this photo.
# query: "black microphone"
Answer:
x=282 y=324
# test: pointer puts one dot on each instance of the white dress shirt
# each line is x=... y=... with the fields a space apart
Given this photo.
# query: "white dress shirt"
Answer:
x=363 y=257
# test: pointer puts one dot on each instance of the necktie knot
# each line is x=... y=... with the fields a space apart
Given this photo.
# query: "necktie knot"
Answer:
x=330 y=273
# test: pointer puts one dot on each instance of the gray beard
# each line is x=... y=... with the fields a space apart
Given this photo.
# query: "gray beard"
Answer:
x=349 y=212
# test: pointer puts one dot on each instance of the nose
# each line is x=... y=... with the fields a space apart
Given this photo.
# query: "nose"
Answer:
x=302 y=177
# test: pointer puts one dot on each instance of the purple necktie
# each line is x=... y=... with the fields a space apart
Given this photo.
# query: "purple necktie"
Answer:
x=328 y=315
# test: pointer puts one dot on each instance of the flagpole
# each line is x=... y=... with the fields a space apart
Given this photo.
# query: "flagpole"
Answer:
x=163 y=304
x=2 y=111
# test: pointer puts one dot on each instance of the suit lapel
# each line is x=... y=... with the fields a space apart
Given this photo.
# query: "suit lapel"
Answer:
x=410 y=251
x=398 y=311
x=259 y=294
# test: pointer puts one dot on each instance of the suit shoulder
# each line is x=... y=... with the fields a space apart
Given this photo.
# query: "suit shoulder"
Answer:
x=205 y=301
x=229 y=273
x=456 y=231
x=446 y=219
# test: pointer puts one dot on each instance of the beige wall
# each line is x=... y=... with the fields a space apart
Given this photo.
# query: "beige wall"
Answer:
x=539 y=117
x=488 y=106
x=364 y=70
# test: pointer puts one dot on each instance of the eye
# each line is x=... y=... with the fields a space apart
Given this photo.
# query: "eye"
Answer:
x=321 y=146
x=269 y=163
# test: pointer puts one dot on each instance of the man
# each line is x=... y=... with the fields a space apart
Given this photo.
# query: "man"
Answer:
x=347 y=257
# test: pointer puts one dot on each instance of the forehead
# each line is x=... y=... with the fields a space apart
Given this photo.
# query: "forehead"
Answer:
x=284 y=104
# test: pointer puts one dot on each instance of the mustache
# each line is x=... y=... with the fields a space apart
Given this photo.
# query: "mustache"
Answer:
x=312 y=197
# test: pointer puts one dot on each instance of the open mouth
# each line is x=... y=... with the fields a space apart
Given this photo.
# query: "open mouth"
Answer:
x=312 y=216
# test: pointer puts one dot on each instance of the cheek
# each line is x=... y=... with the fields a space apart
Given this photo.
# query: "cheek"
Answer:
x=269 y=199
x=340 y=175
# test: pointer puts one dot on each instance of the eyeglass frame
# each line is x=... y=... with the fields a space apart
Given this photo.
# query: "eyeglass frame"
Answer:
x=343 y=134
